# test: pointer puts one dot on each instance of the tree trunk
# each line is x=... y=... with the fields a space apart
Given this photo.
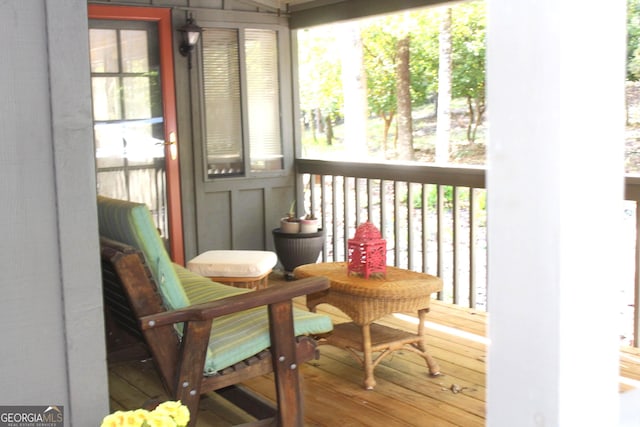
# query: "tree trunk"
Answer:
x=476 y=115
x=472 y=118
x=354 y=87
x=319 y=118
x=387 y=118
x=395 y=139
x=480 y=110
x=626 y=104
x=312 y=124
x=329 y=130
x=443 y=126
x=404 y=122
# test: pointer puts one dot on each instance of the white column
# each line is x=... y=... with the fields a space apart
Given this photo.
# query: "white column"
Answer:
x=555 y=180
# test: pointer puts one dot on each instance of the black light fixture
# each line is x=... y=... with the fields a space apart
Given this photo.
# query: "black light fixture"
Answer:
x=190 y=36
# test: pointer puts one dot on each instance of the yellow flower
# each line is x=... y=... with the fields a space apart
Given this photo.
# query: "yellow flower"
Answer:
x=113 y=420
x=134 y=418
x=156 y=419
x=175 y=410
x=140 y=416
x=167 y=414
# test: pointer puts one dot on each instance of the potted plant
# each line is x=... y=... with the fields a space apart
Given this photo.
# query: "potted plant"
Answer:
x=298 y=241
x=290 y=223
x=309 y=224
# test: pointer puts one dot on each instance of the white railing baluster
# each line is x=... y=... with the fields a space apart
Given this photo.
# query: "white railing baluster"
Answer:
x=455 y=244
x=473 y=300
x=425 y=228
x=410 y=227
x=440 y=235
x=341 y=208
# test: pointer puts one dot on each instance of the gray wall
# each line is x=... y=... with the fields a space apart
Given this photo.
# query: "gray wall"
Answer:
x=51 y=305
x=238 y=212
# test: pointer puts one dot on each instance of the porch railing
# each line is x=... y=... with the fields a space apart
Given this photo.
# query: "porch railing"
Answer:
x=434 y=220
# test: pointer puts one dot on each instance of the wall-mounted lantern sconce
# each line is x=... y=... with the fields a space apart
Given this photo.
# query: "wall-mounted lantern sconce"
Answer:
x=190 y=36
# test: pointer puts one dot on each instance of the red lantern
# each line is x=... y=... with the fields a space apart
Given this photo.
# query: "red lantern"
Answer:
x=367 y=252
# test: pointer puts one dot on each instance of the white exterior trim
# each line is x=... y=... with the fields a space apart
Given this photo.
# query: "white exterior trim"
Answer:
x=555 y=178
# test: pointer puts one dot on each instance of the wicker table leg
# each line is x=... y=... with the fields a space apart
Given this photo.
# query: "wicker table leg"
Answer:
x=434 y=368
x=369 y=380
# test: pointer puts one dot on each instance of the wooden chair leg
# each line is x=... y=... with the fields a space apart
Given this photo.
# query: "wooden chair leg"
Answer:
x=285 y=367
x=191 y=366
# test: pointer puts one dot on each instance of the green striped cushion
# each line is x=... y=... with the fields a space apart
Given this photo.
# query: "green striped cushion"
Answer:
x=241 y=335
x=131 y=223
x=200 y=289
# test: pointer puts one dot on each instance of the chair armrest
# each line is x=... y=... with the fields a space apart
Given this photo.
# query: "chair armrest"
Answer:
x=236 y=303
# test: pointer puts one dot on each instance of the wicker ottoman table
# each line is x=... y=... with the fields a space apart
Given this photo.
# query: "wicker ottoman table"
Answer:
x=365 y=301
x=239 y=268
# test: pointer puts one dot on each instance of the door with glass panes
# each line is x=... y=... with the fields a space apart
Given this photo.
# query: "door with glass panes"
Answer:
x=134 y=113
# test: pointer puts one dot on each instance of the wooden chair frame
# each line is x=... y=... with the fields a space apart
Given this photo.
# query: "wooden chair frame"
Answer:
x=180 y=362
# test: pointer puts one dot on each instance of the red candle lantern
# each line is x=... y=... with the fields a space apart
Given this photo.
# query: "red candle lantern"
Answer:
x=367 y=252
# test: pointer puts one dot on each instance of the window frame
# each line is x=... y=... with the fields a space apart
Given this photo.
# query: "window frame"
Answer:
x=283 y=40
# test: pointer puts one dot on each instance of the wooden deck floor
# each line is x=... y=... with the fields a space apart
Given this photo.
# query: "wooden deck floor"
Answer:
x=405 y=394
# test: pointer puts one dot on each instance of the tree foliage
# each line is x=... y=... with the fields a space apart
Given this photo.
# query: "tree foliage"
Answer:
x=380 y=39
x=469 y=58
x=468 y=81
x=445 y=69
x=404 y=149
x=319 y=78
x=633 y=40
x=424 y=56
x=320 y=65
x=379 y=47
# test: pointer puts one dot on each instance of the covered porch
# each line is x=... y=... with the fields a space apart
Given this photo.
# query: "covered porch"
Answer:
x=56 y=304
x=405 y=393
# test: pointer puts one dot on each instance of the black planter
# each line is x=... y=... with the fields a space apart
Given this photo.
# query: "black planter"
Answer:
x=295 y=249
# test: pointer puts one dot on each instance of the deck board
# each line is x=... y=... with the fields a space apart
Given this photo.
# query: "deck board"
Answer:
x=405 y=395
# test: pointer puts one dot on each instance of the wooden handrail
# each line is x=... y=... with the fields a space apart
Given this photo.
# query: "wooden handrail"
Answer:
x=462 y=176
x=352 y=184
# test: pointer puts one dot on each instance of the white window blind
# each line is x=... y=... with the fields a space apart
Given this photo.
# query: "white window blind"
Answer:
x=230 y=131
x=263 y=96
x=223 y=116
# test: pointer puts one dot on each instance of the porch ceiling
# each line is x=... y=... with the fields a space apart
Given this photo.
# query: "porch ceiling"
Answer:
x=306 y=13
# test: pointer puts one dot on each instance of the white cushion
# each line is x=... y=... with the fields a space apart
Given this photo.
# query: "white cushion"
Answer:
x=238 y=263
